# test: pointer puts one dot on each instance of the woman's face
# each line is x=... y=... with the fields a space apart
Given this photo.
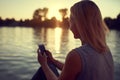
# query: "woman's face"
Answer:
x=73 y=28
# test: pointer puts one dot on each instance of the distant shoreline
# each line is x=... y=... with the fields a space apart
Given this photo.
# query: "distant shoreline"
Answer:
x=52 y=23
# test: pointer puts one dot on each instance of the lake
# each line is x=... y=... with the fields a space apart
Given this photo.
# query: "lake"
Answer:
x=18 y=45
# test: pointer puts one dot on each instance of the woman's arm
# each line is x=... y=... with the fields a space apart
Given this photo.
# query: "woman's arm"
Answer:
x=49 y=73
x=70 y=70
x=72 y=66
x=57 y=63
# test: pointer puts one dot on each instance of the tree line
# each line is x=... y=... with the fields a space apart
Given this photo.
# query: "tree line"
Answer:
x=113 y=23
x=39 y=20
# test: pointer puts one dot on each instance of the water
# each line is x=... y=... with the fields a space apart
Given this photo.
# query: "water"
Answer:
x=18 y=58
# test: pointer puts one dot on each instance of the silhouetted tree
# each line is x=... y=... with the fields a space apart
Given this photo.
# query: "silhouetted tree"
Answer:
x=118 y=17
x=21 y=22
x=10 y=22
x=54 y=22
x=64 y=23
x=45 y=11
x=1 y=22
x=108 y=22
x=0 y=18
x=63 y=12
x=37 y=15
x=37 y=18
x=113 y=23
x=40 y=14
x=118 y=21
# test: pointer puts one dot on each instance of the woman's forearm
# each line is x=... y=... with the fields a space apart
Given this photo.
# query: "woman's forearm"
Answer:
x=49 y=73
x=58 y=64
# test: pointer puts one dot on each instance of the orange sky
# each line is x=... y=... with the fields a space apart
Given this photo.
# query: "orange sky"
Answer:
x=23 y=9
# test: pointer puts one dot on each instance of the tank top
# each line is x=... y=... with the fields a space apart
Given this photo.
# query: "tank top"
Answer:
x=95 y=66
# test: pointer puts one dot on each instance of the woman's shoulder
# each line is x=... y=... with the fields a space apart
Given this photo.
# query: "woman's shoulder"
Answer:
x=76 y=53
x=72 y=66
x=73 y=55
x=72 y=52
x=74 y=61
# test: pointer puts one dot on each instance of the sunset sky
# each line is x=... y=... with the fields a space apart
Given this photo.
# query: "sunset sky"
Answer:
x=24 y=9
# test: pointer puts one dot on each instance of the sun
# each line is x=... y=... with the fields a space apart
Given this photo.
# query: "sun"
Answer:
x=54 y=12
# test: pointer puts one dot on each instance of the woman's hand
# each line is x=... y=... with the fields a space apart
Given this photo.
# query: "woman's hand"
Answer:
x=42 y=59
x=49 y=56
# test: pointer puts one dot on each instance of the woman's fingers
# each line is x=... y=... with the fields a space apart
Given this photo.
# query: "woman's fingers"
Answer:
x=42 y=59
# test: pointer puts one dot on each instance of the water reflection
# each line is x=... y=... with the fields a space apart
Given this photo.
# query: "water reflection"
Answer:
x=18 y=49
x=16 y=53
x=57 y=39
x=40 y=35
x=113 y=40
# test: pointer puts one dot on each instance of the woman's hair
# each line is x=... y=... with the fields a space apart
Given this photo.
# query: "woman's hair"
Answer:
x=89 y=24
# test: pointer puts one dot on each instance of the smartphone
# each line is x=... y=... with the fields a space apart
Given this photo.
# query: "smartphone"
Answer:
x=42 y=48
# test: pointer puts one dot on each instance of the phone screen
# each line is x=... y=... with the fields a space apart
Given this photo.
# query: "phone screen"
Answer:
x=42 y=48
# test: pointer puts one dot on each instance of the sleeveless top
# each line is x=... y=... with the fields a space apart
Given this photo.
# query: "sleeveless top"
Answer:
x=95 y=66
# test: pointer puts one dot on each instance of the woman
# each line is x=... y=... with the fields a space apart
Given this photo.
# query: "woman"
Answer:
x=91 y=61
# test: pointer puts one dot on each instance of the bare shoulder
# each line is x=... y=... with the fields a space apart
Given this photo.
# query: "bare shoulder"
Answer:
x=74 y=56
x=72 y=66
x=72 y=53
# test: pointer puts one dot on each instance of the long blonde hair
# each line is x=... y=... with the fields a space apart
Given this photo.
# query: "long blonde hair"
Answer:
x=89 y=24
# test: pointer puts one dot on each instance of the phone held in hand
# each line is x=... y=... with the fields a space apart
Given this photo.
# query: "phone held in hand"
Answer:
x=42 y=48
